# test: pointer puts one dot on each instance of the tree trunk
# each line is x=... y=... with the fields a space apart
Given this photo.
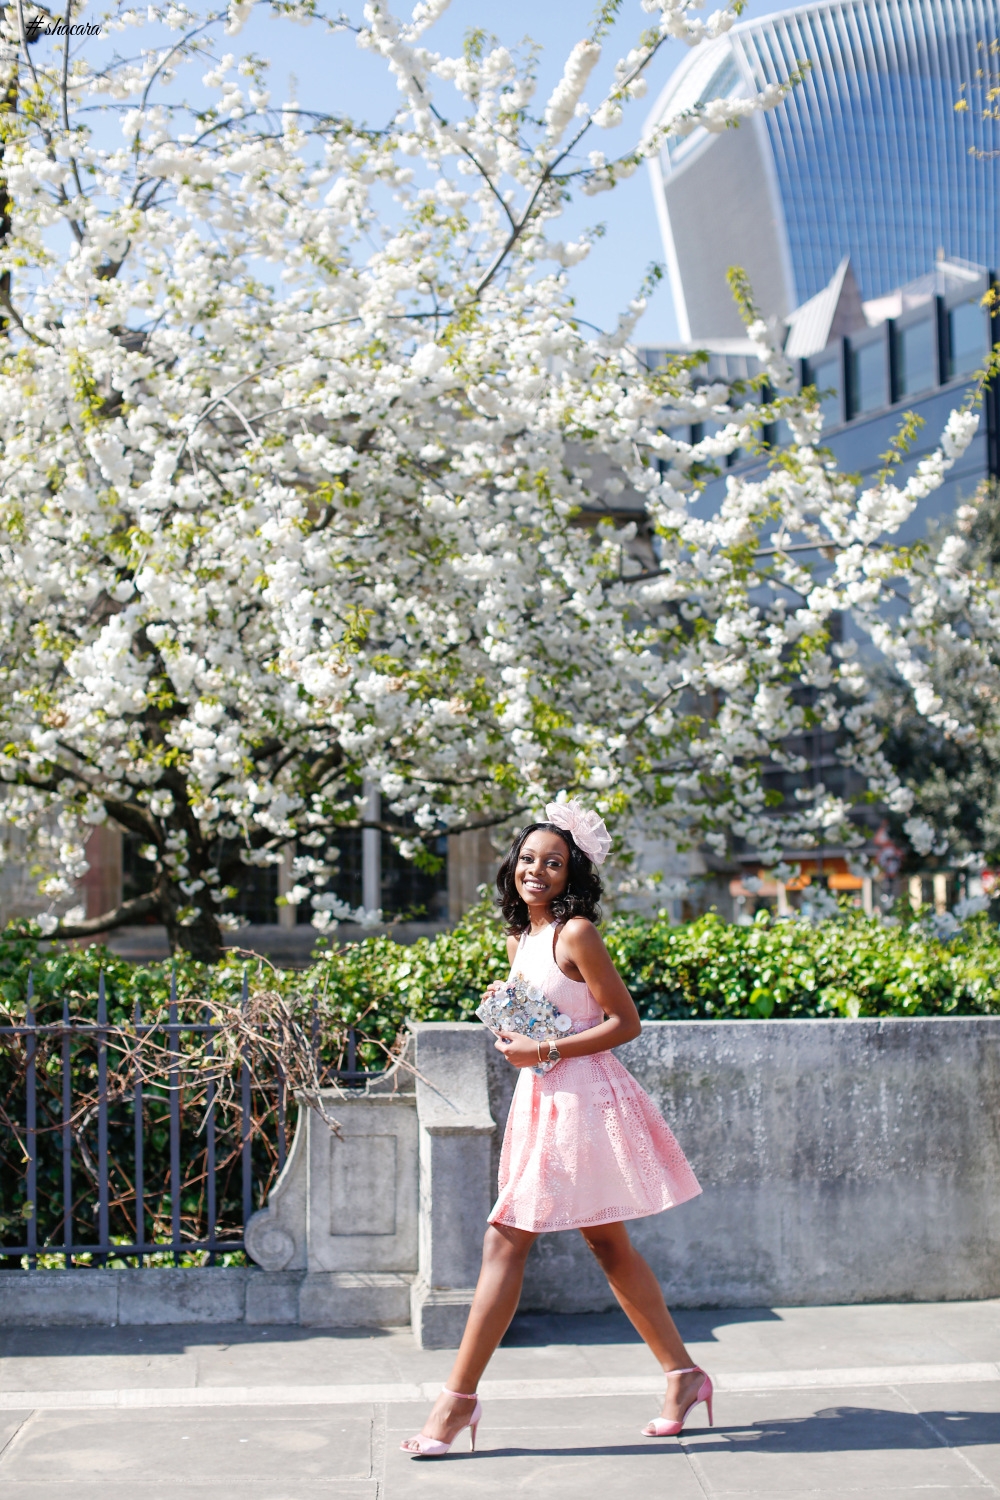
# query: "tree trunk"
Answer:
x=202 y=939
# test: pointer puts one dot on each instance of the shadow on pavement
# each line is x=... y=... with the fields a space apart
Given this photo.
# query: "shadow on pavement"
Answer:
x=606 y=1450
x=856 y=1429
x=527 y=1330
x=170 y=1338
x=696 y=1324
x=836 y=1429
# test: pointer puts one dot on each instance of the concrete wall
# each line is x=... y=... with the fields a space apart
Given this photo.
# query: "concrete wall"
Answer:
x=841 y=1161
x=224 y=1294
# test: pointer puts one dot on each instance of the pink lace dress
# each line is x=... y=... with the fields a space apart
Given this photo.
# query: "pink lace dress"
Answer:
x=584 y=1143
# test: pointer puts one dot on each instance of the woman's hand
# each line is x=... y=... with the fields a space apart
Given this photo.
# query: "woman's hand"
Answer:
x=520 y=1051
x=492 y=988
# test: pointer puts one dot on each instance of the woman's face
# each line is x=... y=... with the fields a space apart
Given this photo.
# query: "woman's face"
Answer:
x=542 y=872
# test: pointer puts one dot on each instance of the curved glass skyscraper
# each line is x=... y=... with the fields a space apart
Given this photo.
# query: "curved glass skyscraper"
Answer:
x=866 y=158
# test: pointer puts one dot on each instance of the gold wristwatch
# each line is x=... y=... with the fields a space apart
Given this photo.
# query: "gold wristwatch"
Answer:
x=554 y=1054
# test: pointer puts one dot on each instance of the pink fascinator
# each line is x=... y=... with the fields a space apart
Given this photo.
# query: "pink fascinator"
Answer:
x=587 y=827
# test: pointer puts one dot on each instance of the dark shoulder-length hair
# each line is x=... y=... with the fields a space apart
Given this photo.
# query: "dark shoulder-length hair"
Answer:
x=581 y=897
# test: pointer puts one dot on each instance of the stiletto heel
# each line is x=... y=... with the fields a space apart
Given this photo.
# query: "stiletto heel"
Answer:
x=473 y=1429
x=662 y=1428
x=428 y=1447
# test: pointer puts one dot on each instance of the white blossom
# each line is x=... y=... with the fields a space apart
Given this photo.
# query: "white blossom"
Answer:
x=920 y=834
x=266 y=540
x=568 y=91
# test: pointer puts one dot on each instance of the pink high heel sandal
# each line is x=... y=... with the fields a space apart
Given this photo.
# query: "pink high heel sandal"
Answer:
x=433 y=1447
x=662 y=1428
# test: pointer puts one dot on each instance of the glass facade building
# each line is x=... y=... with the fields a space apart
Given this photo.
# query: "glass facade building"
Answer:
x=866 y=157
x=924 y=359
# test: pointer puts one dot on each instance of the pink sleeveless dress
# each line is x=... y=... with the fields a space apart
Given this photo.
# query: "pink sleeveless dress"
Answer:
x=584 y=1143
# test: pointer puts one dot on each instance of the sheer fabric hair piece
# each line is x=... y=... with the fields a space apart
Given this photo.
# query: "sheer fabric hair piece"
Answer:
x=586 y=826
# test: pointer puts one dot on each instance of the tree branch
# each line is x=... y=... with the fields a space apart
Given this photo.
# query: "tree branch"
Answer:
x=134 y=818
x=128 y=911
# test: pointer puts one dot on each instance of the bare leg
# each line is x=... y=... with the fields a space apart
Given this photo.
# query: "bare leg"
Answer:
x=505 y=1251
x=641 y=1300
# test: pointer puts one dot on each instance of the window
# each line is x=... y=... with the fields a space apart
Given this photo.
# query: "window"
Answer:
x=256 y=899
x=411 y=892
x=344 y=856
x=968 y=338
x=916 y=358
x=868 y=382
x=138 y=874
x=826 y=378
x=405 y=890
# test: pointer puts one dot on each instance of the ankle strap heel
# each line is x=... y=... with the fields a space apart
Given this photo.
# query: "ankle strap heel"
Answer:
x=661 y=1427
x=423 y=1446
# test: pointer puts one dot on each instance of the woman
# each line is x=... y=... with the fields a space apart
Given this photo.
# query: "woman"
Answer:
x=585 y=1147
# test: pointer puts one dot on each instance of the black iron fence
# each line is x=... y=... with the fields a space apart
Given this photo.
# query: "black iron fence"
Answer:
x=125 y=1167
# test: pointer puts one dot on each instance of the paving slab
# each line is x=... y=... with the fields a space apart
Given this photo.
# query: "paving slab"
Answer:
x=786 y=1338
x=966 y=1417
x=244 y=1489
x=26 y=1373
x=62 y=1449
x=584 y=1449
x=894 y=1401
x=733 y=1340
x=227 y=1355
x=10 y=1422
x=787 y=1446
x=894 y=1333
x=797 y=1443
x=306 y=1361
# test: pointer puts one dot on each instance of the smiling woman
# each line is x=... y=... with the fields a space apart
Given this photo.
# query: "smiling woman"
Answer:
x=537 y=861
x=585 y=1147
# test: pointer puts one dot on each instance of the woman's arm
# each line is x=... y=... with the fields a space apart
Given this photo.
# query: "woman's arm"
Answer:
x=580 y=947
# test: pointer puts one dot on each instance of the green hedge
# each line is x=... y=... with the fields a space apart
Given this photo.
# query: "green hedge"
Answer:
x=850 y=966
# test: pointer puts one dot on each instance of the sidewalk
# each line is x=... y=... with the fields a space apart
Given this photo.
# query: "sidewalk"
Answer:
x=891 y=1401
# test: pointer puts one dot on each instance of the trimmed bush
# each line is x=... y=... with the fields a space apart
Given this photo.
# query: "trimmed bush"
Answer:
x=850 y=966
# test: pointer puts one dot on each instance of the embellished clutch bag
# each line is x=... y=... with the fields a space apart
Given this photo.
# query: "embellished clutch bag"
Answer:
x=519 y=1009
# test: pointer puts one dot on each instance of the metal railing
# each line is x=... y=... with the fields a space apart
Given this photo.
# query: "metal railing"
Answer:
x=69 y=1031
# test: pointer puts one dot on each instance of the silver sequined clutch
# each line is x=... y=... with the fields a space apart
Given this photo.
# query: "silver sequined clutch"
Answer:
x=519 y=1009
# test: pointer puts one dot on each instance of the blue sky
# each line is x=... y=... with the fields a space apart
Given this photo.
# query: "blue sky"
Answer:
x=332 y=74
